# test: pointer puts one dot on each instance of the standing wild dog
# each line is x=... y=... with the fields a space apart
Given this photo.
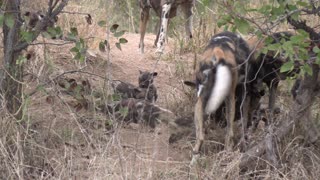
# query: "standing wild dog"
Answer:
x=222 y=68
x=165 y=9
x=267 y=66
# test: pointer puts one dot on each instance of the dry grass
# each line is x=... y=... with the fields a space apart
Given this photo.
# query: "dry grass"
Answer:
x=56 y=140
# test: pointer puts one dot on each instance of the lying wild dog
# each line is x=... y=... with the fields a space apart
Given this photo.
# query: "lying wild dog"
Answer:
x=165 y=9
x=140 y=111
x=267 y=66
x=146 y=89
x=222 y=68
x=146 y=84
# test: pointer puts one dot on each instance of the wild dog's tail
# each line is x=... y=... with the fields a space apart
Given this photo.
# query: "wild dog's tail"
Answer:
x=221 y=89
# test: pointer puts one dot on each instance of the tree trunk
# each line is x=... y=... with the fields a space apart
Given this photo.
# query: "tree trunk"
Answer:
x=12 y=75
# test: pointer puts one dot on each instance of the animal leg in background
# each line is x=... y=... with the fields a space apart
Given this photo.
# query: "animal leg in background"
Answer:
x=273 y=92
x=187 y=10
x=231 y=103
x=144 y=17
x=163 y=26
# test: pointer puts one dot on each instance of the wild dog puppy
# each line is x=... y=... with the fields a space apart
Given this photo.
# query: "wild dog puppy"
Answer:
x=140 y=111
x=146 y=84
x=222 y=68
x=267 y=66
x=165 y=9
x=146 y=89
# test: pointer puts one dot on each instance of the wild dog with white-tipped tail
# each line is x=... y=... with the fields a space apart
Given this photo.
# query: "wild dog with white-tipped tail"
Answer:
x=165 y=9
x=223 y=67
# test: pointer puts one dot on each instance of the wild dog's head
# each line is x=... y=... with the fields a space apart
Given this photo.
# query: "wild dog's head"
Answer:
x=32 y=18
x=146 y=78
x=204 y=79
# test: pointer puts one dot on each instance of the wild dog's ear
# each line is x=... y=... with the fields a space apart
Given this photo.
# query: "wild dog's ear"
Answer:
x=141 y=72
x=190 y=83
x=154 y=74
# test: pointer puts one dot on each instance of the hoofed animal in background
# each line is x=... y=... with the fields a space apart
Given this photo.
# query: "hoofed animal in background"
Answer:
x=267 y=66
x=222 y=68
x=165 y=9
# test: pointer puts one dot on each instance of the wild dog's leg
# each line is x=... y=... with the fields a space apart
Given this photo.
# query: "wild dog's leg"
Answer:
x=157 y=38
x=157 y=31
x=272 y=94
x=244 y=119
x=163 y=28
x=144 y=16
x=198 y=120
x=187 y=10
x=231 y=114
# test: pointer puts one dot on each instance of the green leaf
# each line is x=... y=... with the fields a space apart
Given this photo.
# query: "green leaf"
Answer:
x=47 y=35
x=316 y=49
x=114 y=28
x=118 y=45
x=116 y=97
x=318 y=59
x=82 y=58
x=242 y=25
x=265 y=10
x=223 y=20
x=74 y=31
x=307 y=69
x=274 y=47
x=123 y=40
x=9 y=20
x=288 y=66
x=301 y=3
x=72 y=37
x=102 y=23
x=78 y=56
x=124 y=111
x=27 y=36
x=1 y=20
x=21 y=60
x=75 y=50
x=102 y=47
x=119 y=33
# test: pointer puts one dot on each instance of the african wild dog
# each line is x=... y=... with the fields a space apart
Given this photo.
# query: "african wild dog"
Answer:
x=146 y=89
x=218 y=74
x=165 y=9
x=146 y=84
x=267 y=66
x=32 y=18
x=140 y=111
